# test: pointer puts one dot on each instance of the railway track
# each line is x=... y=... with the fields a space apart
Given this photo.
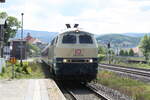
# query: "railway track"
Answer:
x=96 y=91
x=130 y=70
x=81 y=92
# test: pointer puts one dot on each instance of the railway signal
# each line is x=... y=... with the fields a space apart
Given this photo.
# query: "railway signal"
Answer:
x=109 y=52
x=13 y=61
x=108 y=45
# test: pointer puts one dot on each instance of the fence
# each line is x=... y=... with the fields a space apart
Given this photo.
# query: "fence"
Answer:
x=2 y=64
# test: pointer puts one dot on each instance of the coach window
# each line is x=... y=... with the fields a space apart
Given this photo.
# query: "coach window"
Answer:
x=69 y=39
x=85 y=39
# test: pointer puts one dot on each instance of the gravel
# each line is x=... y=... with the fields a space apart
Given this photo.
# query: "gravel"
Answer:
x=84 y=94
x=109 y=93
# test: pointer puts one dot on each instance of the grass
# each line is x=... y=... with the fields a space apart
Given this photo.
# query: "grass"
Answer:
x=29 y=70
x=131 y=58
x=133 y=88
x=138 y=65
x=37 y=72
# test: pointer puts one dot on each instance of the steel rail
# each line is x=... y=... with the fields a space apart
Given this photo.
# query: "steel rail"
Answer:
x=88 y=88
x=96 y=92
x=144 y=69
x=129 y=70
x=71 y=93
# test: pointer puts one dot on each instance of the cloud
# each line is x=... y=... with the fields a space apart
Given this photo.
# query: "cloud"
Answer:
x=97 y=16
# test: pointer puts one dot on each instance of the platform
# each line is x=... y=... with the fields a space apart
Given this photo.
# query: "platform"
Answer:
x=30 y=89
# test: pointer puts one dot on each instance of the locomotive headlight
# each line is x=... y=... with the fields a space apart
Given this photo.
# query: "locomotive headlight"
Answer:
x=64 y=60
x=91 y=60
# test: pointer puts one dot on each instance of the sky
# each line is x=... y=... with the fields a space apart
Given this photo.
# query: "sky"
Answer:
x=96 y=16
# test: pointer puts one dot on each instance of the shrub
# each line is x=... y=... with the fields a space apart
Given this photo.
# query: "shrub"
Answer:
x=28 y=70
x=3 y=69
x=19 y=69
x=101 y=57
x=25 y=69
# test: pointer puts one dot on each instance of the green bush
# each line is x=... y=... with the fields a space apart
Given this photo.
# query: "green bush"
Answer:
x=101 y=57
x=28 y=70
x=25 y=69
x=19 y=69
x=3 y=70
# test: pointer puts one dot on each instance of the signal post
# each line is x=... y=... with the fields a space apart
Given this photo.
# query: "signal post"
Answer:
x=13 y=62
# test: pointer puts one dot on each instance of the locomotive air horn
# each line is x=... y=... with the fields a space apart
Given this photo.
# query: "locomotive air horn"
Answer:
x=68 y=26
x=76 y=25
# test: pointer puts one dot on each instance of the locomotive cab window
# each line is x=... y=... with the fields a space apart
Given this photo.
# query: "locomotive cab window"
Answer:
x=69 y=39
x=85 y=39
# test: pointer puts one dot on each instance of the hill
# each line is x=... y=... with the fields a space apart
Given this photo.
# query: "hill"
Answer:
x=135 y=34
x=118 y=40
x=45 y=36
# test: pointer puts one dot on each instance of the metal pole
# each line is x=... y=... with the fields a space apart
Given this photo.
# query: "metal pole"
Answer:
x=109 y=55
x=21 y=47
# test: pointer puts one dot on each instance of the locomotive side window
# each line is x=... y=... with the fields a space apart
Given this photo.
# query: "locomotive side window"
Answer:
x=85 y=39
x=52 y=43
x=69 y=39
x=56 y=40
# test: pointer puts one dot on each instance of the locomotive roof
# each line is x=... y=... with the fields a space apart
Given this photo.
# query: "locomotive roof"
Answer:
x=75 y=30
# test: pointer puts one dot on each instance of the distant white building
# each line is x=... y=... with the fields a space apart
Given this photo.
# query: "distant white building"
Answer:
x=137 y=51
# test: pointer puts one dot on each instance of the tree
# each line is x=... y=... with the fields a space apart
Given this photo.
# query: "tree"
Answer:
x=111 y=52
x=3 y=15
x=121 y=53
x=145 y=47
x=33 y=49
x=131 y=52
x=126 y=53
x=12 y=26
x=101 y=50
